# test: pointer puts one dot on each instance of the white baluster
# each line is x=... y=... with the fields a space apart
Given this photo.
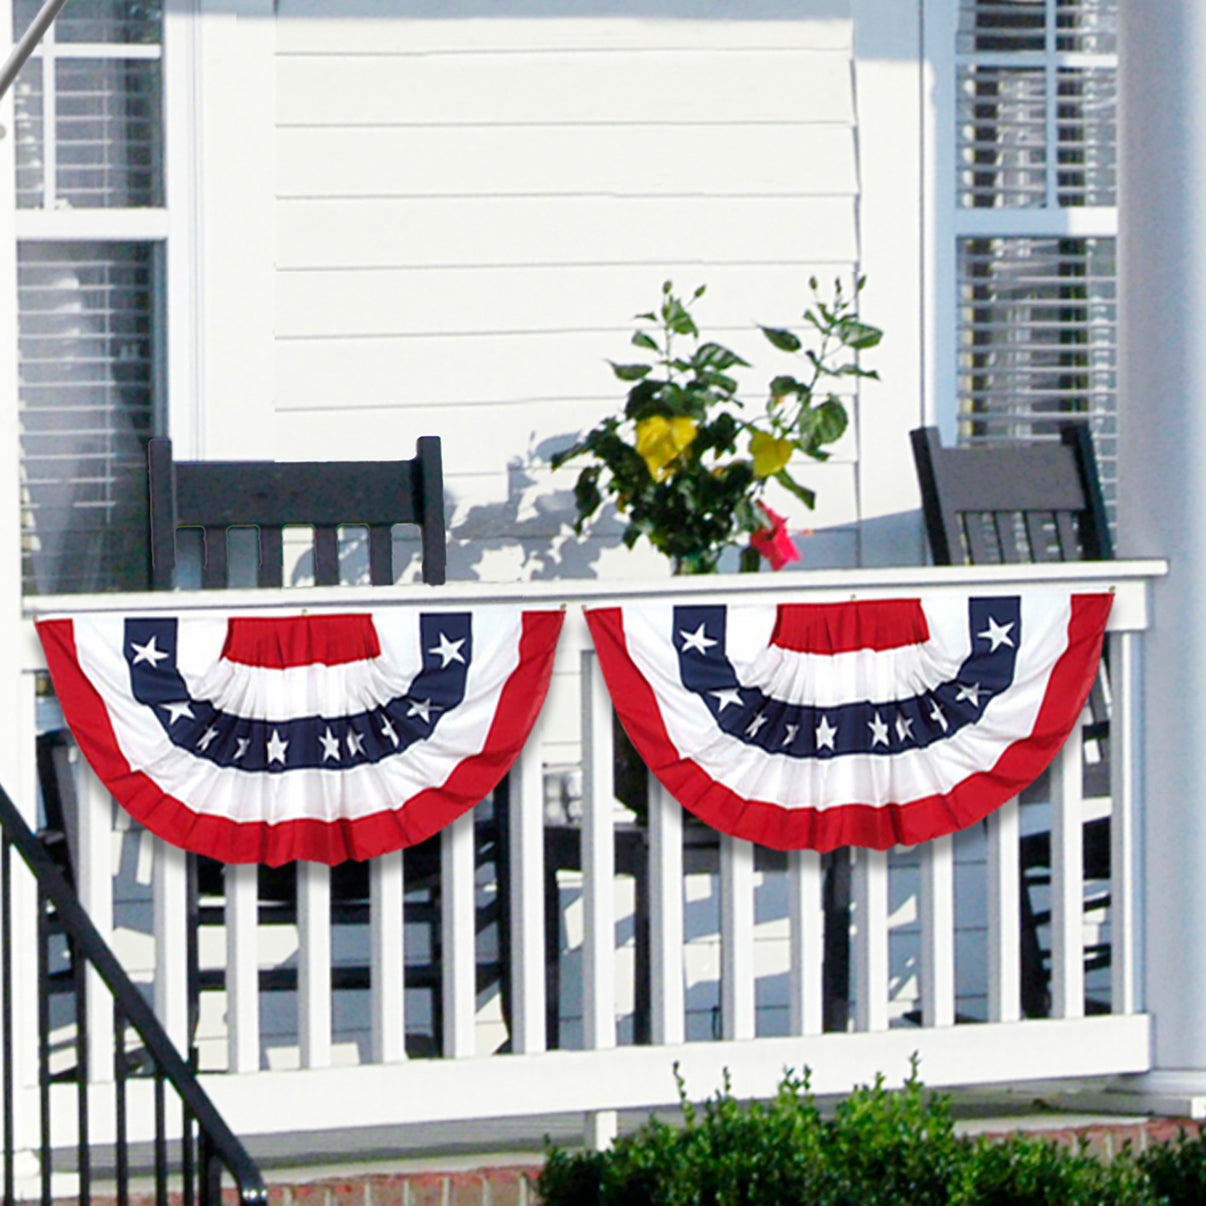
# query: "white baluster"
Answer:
x=1004 y=916
x=1123 y=913
x=242 y=967
x=314 y=964
x=459 y=936
x=1067 y=880
x=598 y=860
x=737 y=1003
x=806 y=916
x=170 y=896
x=871 y=939
x=667 y=991
x=938 y=932
x=527 y=899
x=387 y=889
x=92 y=859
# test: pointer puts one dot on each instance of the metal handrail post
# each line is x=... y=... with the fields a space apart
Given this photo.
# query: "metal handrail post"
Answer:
x=29 y=41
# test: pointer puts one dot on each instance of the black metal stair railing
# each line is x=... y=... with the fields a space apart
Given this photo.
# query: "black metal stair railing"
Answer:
x=205 y=1145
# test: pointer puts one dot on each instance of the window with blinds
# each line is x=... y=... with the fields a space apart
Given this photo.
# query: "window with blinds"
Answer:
x=88 y=109
x=87 y=333
x=88 y=136
x=1035 y=114
x=1038 y=327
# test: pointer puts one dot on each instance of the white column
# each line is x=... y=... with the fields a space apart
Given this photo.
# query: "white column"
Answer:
x=1162 y=494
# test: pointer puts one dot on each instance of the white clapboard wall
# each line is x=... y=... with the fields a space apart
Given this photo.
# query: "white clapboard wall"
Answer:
x=441 y=219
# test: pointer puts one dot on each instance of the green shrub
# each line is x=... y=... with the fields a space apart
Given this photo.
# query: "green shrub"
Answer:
x=879 y=1148
x=1177 y=1170
x=1028 y=1170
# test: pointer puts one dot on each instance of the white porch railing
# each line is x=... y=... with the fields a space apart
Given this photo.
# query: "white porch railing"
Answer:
x=934 y=937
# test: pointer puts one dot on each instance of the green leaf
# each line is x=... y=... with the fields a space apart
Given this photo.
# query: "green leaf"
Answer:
x=858 y=335
x=831 y=421
x=630 y=372
x=784 y=340
x=642 y=400
x=803 y=493
x=586 y=493
x=678 y=319
x=780 y=387
x=642 y=339
x=716 y=357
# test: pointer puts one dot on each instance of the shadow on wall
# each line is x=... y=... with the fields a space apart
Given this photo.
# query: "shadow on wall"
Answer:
x=529 y=536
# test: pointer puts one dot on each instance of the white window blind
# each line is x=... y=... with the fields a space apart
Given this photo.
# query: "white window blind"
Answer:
x=88 y=136
x=88 y=109
x=87 y=333
x=1038 y=326
x=1035 y=113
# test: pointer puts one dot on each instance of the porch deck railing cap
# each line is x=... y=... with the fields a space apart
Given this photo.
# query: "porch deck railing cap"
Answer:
x=837 y=583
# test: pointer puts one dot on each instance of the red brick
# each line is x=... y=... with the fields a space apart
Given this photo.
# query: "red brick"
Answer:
x=346 y=1193
x=428 y=1189
x=466 y=1189
x=310 y=1195
x=280 y=1195
x=388 y=1191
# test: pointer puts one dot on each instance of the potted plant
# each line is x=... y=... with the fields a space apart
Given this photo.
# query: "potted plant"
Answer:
x=686 y=464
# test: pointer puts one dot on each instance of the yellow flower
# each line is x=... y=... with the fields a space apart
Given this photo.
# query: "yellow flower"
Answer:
x=770 y=454
x=661 y=440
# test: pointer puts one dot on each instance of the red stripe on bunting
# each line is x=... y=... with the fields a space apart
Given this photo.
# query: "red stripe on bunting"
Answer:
x=845 y=627
x=854 y=823
x=278 y=642
x=315 y=841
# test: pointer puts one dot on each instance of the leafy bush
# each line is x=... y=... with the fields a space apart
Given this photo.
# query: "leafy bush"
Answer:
x=1177 y=1170
x=879 y=1148
x=1028 y=1170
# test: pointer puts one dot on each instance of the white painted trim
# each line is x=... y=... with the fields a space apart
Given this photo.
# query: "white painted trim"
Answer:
x=458 y=934
x=598 y=860
x=387 y=942
x=1067 y=879
x=1077 y=222
x=1127 y=581
x=314 y=964
x=737 y=1012
x=183 y=139
x=806 y=916
x=528 y=981
x=242 y=967
x=939 y=22
x=870 y=947
x=1125 y=923
x=667 y=988
x=170 y=895
x=101 y=225
x=642 y=1077
x=92 y=859
x=938 y=932
x=1004 y=910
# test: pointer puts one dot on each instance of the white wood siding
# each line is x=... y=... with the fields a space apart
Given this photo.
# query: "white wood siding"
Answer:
x=469 y=209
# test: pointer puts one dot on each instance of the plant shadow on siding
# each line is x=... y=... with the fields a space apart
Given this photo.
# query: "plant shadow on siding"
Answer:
x=533 y=524
x=527 y=536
